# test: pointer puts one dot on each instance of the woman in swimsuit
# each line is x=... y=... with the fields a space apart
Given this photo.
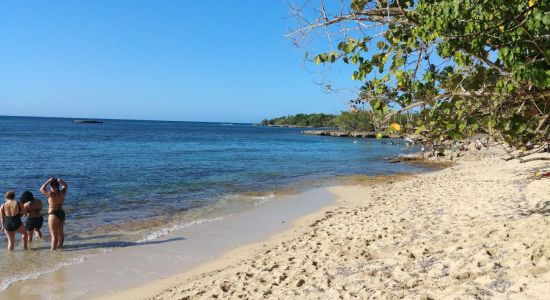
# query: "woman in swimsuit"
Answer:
x=34 y=214
x=56 y=214
x=11 y=212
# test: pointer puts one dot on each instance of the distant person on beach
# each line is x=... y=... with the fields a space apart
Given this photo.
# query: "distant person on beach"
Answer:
x=56 y=214
x=11 y=212
x=34 y=221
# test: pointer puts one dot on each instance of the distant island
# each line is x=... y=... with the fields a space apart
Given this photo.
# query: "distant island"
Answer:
x=302 y=120
x=87 y=122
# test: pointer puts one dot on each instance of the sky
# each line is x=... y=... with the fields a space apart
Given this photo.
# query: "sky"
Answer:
x=219 y=60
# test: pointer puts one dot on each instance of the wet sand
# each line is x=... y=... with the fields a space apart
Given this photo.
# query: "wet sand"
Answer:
x=477 y=230
x=127 y=267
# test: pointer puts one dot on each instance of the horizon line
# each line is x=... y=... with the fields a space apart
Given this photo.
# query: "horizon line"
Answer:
x=116 y=119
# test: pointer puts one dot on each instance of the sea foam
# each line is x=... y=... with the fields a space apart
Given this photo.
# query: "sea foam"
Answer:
x=167 y=230
x=34 y=275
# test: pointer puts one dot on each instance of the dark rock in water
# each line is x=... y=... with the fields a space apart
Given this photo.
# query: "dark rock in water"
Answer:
x=87 y=122
x=405 y=158
x=355 y=134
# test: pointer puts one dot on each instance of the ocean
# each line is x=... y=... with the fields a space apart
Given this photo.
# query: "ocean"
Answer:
x=131 y=182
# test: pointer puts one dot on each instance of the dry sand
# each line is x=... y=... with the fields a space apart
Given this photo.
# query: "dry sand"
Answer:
x=479 y=229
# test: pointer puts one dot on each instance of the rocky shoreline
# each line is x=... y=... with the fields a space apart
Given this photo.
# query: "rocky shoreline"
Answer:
x=355 y=134
x=293 y=126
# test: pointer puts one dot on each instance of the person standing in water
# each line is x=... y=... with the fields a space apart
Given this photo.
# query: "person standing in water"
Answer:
x=11 y=212
x=56 y=214
x=35 y=219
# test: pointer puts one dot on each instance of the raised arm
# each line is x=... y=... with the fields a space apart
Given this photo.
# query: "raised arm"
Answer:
x=63 y=185
x=43 y=189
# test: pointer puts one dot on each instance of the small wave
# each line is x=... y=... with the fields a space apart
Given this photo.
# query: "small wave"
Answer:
x=162 y=232
x=262 y=199
x=34 y=275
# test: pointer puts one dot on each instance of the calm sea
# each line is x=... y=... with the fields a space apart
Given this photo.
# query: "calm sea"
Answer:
x=133 y=181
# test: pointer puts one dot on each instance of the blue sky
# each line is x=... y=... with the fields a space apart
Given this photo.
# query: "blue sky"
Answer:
x=163 y=60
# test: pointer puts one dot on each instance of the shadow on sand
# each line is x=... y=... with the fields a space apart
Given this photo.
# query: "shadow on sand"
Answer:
x=110 y=244
x=542 y=208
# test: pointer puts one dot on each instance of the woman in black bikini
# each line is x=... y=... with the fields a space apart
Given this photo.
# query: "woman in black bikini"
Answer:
x=35 y=219
x=11 y=212
x=56 y=214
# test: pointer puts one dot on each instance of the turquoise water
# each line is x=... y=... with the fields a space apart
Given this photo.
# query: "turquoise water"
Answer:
x=132 y=181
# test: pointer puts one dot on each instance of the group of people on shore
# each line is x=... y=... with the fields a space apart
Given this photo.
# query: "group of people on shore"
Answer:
x=12 y=211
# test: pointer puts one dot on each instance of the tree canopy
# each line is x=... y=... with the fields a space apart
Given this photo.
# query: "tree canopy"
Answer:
x=462 y=66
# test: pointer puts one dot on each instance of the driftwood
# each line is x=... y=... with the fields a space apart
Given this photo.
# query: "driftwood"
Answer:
x=520 y=156
x=533 y=159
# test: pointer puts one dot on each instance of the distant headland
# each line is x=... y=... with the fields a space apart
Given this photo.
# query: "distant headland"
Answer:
x=319 y=120
x=347 y=124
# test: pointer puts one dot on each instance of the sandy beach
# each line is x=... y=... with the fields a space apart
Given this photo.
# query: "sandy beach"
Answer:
x=478 y=229
x=296 y=149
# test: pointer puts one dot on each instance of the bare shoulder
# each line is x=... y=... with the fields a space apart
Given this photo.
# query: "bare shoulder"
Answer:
x=38 y=204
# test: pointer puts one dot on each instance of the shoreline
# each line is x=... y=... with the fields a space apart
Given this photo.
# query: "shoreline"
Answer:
x=228 y=258
x=233 y=256
x=480 y=228
x=74 y=256
x=127 y=267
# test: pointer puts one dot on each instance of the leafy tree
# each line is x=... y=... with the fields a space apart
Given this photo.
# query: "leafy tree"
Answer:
x=355 y=121
x=462 y=66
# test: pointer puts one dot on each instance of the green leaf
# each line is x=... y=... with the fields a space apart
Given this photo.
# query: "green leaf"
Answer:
x=318 y=59
x=420 y=129
x=332 y=57
x=358 y=5
x=450 y=126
